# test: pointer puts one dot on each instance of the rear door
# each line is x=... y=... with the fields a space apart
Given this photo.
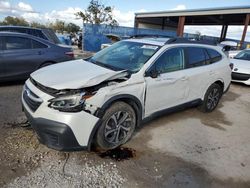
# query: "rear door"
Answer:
x=198 y=71
x=20 y=57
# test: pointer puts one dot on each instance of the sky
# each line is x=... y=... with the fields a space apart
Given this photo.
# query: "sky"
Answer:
x=49 y=10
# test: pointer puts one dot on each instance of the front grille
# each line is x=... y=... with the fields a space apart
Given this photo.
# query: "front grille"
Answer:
x=240 y=76
x=45 y=89
x=31 y=99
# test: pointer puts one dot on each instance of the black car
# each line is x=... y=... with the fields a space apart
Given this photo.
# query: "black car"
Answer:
x=44 y=33
x=21 y=54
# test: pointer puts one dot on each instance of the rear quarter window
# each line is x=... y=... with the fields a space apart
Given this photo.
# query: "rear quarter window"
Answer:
x=37 y=45
x=214 y=55
x=196 y=57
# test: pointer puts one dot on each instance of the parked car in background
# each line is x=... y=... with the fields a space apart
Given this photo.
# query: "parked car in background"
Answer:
x=44 y=33
x=241 y=70
x=233 y=52
x=21 y=54
x=64 y=39
x=113 y=38
x=102 y=100
x=232 y=48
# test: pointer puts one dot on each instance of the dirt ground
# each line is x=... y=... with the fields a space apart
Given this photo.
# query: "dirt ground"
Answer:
x=182 y=149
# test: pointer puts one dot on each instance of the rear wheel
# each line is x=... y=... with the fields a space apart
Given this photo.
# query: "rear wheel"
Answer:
x=212 y=98
x=117 y=127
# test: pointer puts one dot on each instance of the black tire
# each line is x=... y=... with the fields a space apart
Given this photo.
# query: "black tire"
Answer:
x=212 y=98
x=112 y=133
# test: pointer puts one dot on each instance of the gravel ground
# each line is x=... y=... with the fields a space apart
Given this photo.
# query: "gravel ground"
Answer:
x=183 y=149
x=61 y=174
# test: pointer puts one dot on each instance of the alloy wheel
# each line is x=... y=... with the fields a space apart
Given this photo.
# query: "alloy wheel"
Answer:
x=213 y=98
x=118 y=127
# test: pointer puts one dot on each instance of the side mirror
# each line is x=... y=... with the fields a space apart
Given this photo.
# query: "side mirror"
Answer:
x=152 y=73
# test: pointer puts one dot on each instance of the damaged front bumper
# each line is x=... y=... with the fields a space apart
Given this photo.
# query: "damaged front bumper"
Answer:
x=57 y=130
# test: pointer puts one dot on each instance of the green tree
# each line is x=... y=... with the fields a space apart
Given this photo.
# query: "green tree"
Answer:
x=72 y=28
x=97 y=13
x=58 y=25
x=37 y=25
x=9 y=20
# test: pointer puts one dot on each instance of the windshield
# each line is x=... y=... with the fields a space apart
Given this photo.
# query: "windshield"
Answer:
x=244 y=55
x=125 y=55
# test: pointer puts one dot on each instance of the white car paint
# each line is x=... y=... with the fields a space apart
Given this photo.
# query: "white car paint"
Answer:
x=168 y=90
x=82 y=130
x=66 y=74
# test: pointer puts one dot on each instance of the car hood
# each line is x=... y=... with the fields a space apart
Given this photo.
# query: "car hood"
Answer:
x=74 y=75
x=240 y=63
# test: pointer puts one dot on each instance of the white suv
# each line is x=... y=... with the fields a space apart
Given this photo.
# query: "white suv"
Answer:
x=100 y=101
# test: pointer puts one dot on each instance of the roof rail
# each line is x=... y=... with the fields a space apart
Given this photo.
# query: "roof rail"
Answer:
x=179 y=40
x=149 y=36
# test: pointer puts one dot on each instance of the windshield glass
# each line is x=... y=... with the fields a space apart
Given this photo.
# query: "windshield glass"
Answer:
x=125 y=55
x=244 y=55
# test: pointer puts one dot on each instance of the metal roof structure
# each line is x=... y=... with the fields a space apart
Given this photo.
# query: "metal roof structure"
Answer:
x=225 y=16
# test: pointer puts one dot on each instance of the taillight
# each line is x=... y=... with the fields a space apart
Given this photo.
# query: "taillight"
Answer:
x=231 y=65
x=70 y=54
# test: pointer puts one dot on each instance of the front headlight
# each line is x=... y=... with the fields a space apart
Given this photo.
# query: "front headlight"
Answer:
x=69 y=103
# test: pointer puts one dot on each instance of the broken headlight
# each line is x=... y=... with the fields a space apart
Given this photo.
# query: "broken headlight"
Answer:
x=69 y=103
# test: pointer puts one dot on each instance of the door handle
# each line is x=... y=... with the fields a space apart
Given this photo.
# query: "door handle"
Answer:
x=158 y=79
x=184 y=78
x=40 y=53
x=211 y=72
x=170 y=79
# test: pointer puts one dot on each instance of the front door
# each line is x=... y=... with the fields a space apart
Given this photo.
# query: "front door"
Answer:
x=170 y=87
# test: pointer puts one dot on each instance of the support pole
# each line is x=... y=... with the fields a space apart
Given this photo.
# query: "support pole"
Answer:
x=163 y=23
x=244 y=30
x=136 y=23
x=223 y=32
x=180 y=28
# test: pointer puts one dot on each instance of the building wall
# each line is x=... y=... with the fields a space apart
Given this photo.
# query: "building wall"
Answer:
x=154 y=26
x=94 y=35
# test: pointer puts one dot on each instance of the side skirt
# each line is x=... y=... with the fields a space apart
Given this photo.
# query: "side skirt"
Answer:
x=177 y=108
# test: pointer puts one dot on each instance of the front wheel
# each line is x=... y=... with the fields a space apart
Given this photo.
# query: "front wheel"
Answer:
x=117 y=127
x=212 y=98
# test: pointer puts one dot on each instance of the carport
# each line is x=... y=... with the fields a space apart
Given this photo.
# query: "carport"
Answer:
x=176 y=20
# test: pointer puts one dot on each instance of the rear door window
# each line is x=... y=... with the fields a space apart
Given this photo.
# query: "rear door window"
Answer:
x=214 y=55
x=195 y=57
x=17 y=43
